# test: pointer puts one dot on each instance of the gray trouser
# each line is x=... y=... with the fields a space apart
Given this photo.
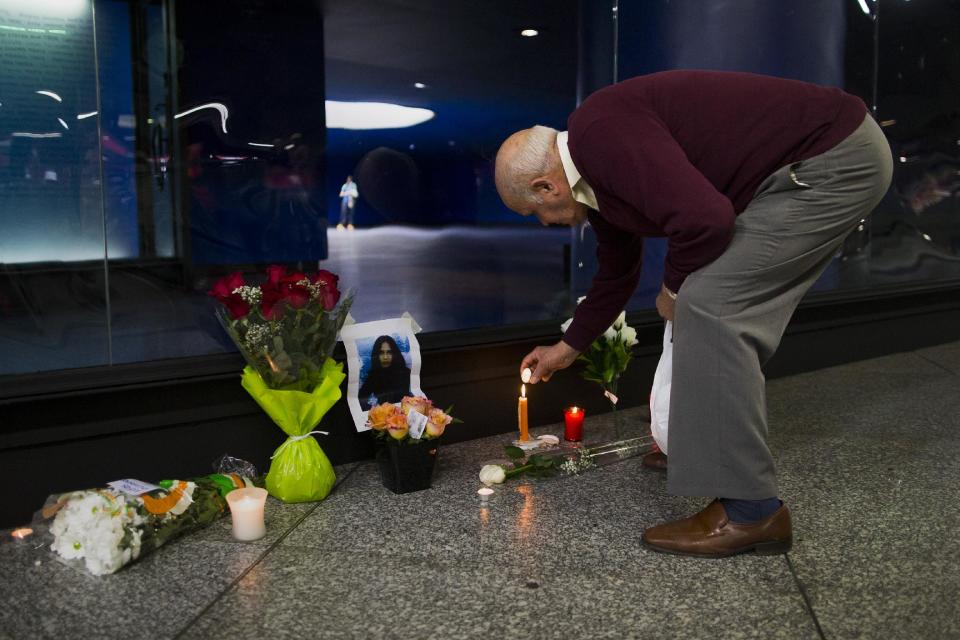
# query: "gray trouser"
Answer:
x=731 y=314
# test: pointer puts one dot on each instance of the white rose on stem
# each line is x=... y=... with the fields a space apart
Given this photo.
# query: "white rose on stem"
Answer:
x=628 y=335
x=492 y=474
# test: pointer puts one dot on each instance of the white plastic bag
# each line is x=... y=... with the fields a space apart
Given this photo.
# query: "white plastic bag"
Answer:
x=660 y=393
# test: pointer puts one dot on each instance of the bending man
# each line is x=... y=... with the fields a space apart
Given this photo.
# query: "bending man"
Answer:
x=755 y=182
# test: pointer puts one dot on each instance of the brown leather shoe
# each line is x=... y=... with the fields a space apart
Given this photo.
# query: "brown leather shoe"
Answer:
x=656 y=460
x=710 y=534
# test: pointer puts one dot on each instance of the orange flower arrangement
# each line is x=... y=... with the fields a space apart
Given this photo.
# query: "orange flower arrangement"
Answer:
x=414 y=416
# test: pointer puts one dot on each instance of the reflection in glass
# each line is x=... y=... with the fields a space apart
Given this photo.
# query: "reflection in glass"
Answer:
x=214 y=140
x=52 y=291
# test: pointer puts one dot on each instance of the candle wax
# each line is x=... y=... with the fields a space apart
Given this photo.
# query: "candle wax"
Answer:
x=246 y=509
x=522 y=414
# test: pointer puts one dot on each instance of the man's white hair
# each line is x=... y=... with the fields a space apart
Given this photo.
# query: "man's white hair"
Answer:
x=530 y=160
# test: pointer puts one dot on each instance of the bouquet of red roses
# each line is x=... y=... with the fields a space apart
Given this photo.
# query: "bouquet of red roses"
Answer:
x=286 y=328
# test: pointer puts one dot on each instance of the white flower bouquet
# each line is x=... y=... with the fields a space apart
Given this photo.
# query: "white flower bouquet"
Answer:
x=608 y=356
x=103 y=530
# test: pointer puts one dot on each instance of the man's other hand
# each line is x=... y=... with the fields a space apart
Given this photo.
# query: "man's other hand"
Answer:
x=543 y=361
x=665 y=303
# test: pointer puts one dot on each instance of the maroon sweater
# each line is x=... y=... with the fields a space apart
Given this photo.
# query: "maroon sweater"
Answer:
x=680 y=154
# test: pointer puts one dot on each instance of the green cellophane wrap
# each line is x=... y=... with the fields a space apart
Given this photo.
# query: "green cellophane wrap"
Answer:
x=300 y=471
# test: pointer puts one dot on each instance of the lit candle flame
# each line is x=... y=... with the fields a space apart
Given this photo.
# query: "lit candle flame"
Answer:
x=22 y=533
x=574 y=410
x=523 y=391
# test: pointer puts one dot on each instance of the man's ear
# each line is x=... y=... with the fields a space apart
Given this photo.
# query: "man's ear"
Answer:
x=543 y=186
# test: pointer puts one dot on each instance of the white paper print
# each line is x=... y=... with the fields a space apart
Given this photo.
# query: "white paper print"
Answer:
x=383 y=365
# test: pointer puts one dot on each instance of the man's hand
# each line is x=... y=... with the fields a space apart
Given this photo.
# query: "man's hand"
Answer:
x=543 y=361
x=665 y=303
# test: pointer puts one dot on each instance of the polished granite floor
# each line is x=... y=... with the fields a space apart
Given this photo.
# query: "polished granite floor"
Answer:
x=869 y=461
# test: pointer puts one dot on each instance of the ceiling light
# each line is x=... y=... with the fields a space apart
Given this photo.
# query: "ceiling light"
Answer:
x=374 y=115
x=50 y=8
x=419 y=85
x=529 y=33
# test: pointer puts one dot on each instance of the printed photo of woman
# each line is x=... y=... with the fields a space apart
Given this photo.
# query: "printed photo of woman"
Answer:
x=383 y=364
x=388 y=377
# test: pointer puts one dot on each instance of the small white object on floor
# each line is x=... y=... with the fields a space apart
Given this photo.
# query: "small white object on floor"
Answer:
x=539 y=442
x=527 y=445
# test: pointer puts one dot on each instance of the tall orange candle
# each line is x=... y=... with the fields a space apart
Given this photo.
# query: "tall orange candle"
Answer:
x=522 y=414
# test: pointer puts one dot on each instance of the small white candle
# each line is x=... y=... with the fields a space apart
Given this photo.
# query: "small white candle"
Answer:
x=246 y=509
x=484 y=494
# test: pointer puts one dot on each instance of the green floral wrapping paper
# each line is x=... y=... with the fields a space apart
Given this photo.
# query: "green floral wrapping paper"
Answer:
x=299 y=471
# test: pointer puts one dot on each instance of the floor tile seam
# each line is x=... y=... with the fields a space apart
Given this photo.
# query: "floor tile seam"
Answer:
x=936 y=364
x=805 y=595
x=485 y=562
x=196 y=618
x=473 y=561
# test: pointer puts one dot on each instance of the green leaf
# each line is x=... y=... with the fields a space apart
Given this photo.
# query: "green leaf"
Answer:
x=514 y=452
x=541 y=462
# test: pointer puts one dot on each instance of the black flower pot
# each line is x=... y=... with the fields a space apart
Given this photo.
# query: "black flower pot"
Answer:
x=407 y=466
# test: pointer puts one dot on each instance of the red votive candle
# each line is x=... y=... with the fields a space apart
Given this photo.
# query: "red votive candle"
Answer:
x=573 y=422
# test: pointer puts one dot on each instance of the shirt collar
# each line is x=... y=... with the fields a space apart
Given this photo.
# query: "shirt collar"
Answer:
x=582 y=192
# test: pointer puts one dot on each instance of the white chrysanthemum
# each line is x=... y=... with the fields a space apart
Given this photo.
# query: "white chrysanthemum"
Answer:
x=91 y=526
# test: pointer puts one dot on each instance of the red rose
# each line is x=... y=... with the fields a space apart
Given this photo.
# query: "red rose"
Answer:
x=325 y=277
x=224 y=287
x=327 y=282
x=271 y=303
x=297 y=296
x=294 y=279
x=275 y=273
x=223 y=290
x=237 y=307
x=292 y=291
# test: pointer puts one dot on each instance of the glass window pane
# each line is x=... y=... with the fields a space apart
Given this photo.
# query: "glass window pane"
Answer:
x=52 y=291
x=429 y=234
